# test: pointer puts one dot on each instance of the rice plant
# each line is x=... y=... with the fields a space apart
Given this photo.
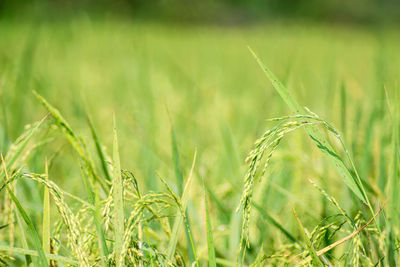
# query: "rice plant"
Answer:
x=178 y=190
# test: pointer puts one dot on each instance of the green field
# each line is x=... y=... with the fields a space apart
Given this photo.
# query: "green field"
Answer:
x=189 y=103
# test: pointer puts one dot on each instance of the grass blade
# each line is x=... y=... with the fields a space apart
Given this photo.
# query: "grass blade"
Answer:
x=179 y=181
x=29 y=252
x=99 y=149
x=31 y=227
x=214 y=199
x=93 y=195
x=275 y=223
x=393 y=184
x=177 y=164
x=28 y=258
x=100 y=231
x=210 y=241
x=179 y=218
x=46 y=215
x=259 y=258
x=343 y=108
x=234 y=234
x=315 y=260
x=94 y=202
x=118 y=202
x=395 y=170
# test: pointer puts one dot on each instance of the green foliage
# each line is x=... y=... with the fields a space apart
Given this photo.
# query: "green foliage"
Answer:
x=65 y=199
x=31 y=227
x=210 y=240
x=118 y=199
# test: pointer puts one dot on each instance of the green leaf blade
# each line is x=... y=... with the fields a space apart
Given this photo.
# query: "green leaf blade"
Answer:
x=118 y=202
x=210 y=241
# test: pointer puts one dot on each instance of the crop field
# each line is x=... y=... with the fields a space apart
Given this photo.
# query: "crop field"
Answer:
x=132 y=143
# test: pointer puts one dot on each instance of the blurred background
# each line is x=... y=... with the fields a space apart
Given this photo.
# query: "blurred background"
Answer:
x=214 y=11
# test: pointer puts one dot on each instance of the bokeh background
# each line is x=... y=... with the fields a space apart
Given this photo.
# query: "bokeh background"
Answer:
x=214 y=11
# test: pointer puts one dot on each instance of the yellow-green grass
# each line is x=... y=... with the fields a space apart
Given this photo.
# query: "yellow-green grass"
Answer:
x=179 y=91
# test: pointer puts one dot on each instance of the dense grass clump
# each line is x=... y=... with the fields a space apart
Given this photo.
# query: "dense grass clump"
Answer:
x=179 y=116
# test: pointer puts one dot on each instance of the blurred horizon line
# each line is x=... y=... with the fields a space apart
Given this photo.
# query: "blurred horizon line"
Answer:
x=215 y=12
